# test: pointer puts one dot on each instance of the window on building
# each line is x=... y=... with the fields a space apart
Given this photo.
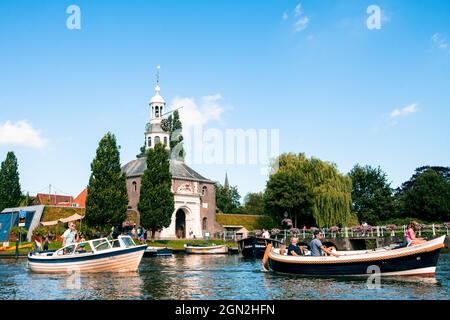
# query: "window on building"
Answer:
x=149 y=141
x=157 y=140
x=205 y=223
x=204 y=191
x=157 y=112
x=165 y=141
x=134 y=186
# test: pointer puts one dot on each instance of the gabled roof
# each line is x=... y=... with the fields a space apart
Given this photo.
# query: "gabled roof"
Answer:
x=81 y=198
x=178 y=169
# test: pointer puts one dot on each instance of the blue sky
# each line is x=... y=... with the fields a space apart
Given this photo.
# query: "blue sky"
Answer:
x=311 y=69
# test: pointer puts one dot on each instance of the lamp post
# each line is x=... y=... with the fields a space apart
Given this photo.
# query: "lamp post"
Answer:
x=286 y=223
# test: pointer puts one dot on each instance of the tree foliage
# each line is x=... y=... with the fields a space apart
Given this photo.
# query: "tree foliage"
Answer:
x=175 y=136
x=254 y=203
x=227 y=199
x=310 y=190
x=426 y=195
x=156 y=202
x=10 y=193
x=372 y=195
x=107 y=198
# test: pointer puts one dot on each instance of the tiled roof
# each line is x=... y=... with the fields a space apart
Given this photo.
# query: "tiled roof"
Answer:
x=54 y=200
x=178 y=169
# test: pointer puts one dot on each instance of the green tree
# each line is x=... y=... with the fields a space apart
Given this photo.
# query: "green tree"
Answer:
x=176 y=137
x=156 y=202
x=107 y=198
x=227 y=199
x=310 y=190
x=426 y=195
x=254 y=203
x=372 y=196
x=10 y=193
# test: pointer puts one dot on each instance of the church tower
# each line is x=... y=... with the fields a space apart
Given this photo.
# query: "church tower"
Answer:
x=154 y=130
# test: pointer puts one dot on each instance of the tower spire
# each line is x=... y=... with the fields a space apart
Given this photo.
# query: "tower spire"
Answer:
x=226 y=185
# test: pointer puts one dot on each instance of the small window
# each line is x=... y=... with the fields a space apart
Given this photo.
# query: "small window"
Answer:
x=165 y=141
x=149 y=141
x=205 y=223
x=157 y=140
x=157 y=112
x=204 y=191
x=134 y=186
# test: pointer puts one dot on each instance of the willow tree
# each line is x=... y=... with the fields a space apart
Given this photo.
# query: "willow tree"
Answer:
x=310 y=190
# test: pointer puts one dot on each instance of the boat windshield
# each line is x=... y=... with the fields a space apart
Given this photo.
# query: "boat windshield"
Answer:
x=101 y=244
x=128 y=242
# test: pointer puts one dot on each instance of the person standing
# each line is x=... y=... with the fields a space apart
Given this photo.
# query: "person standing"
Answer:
x=46 y=242
x=70 y=235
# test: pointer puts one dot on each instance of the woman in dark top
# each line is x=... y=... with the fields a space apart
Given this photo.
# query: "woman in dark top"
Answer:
x=294 y=249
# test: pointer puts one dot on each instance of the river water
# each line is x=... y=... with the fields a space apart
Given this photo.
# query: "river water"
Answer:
x=211 y=277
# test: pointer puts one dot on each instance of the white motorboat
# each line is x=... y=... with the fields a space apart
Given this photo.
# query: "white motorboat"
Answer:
x=98 y=255
x=204 y=249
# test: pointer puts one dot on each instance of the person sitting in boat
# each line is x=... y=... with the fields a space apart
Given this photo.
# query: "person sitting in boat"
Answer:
x=410 y=235
x=294 y=249
x=316 y=246
x=266 y=234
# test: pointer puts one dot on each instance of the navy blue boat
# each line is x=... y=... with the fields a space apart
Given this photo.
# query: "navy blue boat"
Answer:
x=157 y=252
x=254 y=247
x=417 y=260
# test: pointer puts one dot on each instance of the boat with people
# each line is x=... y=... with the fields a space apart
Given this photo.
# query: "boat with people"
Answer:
x=414 y=260
x=205 y=249
x=157 y=252
x=98 y=255
x=254 y=247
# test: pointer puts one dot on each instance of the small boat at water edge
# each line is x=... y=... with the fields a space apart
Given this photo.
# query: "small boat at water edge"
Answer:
x=254 y=247
x=157 y=252
x=22 y=246
x=98 y=255
x=417 y=260
x=204 y=249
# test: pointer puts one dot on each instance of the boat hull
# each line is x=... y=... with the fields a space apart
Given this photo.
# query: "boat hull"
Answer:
x=423 y=264
x=254 y=247
x=223 y=249
x=158 y=252
x=121 y=260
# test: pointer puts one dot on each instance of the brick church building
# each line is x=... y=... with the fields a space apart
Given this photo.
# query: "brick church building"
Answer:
x=195 y=201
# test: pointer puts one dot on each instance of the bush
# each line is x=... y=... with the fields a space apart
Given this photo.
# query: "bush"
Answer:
x=15 y=233
x=40 y=232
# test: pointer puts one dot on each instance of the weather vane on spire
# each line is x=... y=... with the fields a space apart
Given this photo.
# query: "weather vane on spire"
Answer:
x=157 y=74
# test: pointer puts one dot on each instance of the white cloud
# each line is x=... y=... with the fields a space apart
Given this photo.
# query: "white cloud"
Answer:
x=301 y=24
x=198 y=114
x=439 y=41
x=21 y=133
x=298 y=10
x=301 y=21
x=412 y=108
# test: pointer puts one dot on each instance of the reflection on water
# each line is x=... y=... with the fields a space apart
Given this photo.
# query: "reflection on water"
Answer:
x=211 y=277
